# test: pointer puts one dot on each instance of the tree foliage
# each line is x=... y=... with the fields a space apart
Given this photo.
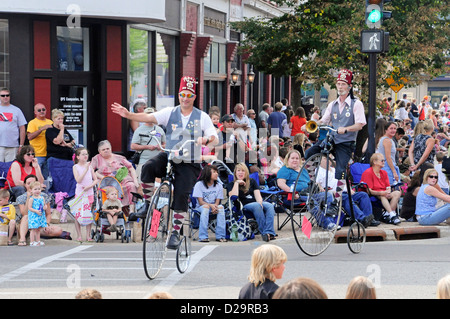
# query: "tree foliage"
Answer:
x=317 y=38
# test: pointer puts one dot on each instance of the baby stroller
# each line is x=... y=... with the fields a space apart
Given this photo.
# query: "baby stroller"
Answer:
x=100 y=218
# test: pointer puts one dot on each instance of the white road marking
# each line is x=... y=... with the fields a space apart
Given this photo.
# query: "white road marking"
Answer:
x=40 y=262
x=167 y=283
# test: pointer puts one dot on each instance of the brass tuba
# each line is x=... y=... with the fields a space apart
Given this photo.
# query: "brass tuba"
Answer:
x=311 y=126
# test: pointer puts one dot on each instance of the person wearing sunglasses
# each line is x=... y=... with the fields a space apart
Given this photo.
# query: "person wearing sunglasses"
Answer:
x=377 y=181
x=429 y=193
x=36 y=135
x=24 y=165
x=183 y=122
x=12 y=127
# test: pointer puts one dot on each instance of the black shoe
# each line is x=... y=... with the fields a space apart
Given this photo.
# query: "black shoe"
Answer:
x=374 y=223
x=386 y=218
x=174 y=241
x=265 y=237
x=367 y=220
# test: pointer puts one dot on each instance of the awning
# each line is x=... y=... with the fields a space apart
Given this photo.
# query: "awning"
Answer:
x=133 y=11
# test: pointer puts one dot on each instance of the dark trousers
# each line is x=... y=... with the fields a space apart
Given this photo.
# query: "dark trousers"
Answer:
x=186 y=175
x=342 y=154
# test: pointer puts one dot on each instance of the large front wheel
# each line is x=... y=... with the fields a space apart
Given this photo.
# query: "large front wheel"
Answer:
x=156 y=230
x=319 y=213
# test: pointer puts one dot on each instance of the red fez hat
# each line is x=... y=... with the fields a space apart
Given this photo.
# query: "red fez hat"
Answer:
x=187 y=83
x=346 y=76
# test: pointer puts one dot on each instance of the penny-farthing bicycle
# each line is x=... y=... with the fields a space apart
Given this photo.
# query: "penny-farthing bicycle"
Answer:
x=315 y=234
x=158 y=224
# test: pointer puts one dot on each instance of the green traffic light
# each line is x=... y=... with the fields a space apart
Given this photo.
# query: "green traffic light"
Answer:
x=374 y=16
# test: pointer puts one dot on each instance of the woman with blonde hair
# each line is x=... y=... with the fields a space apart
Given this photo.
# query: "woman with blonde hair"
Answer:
x=361 y=288
x=443 y=288
x=59 y=141
x=422 y=148
x=429 y=193
x=248 y=193
x=298 y=143
x=267 y=266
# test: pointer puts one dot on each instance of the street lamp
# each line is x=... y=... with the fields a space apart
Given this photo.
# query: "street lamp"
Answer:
x=251 y=76
x=251 y=79
x=234 y=77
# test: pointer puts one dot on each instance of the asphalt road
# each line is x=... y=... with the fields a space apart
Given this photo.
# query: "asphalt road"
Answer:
x=399 y=269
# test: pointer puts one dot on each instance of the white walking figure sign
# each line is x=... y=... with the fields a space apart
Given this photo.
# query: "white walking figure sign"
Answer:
x=373 y=42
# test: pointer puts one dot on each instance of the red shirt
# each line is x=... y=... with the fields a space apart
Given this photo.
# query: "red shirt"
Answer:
x=373 y=182
x=23 y=174
x=297 y=123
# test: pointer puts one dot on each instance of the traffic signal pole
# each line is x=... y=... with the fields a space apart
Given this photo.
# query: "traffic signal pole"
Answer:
x=374 y=41
x=372 y=103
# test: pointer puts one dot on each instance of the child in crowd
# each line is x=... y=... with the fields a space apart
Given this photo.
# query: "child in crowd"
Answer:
x=112 y=207
x=36 y=214
x=361 y=288
x=209 y=193
x=443 y=288
x=86 y=180
x=7 y=214
x=267 y=266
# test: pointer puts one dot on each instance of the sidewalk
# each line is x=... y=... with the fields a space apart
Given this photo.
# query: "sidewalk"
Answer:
x=383 y=232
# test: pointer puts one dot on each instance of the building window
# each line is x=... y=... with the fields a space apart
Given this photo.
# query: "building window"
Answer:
x=4 y=53
x=138 y=64
x=216 y=61
x=165 y=70
x=73 y=49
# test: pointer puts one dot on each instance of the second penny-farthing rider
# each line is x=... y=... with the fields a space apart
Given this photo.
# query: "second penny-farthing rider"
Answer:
x=346 y=115
x=183 y=122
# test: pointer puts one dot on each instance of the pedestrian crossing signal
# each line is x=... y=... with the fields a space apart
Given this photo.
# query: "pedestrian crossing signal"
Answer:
x=375 y=14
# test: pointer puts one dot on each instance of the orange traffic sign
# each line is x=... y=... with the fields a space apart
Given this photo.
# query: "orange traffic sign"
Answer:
x=396 y=87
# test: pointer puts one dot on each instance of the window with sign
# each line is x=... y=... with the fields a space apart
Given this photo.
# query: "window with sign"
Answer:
x=73 y=49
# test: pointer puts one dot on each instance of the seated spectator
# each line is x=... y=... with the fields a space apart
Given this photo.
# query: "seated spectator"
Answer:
x=443 y=180
x=106 y=163
x=51 y=231
x=25 y=164
x=426 y=211
x=377 y=181
x=7 y=214
x=248 y=192
x=209 y=193
x=300 y=288
x=443 y=137
x=362 y=207
x=267 y=265
x=287 y=176
x=299 y=143
x=59 y=141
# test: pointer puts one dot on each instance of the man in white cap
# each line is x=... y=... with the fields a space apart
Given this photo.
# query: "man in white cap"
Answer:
x=183 y=122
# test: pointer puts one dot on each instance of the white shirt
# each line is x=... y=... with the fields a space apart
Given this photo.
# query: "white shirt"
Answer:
x=208 y=129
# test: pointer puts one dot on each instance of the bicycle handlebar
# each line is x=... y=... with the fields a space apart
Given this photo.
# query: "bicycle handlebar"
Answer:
x=327 y=127
x=179 y=151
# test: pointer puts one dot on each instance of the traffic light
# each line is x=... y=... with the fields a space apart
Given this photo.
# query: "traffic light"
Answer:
x=375 y=14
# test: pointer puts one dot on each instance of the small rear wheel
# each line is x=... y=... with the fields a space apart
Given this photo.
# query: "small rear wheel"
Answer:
x=356 y=237
x=184 y=253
